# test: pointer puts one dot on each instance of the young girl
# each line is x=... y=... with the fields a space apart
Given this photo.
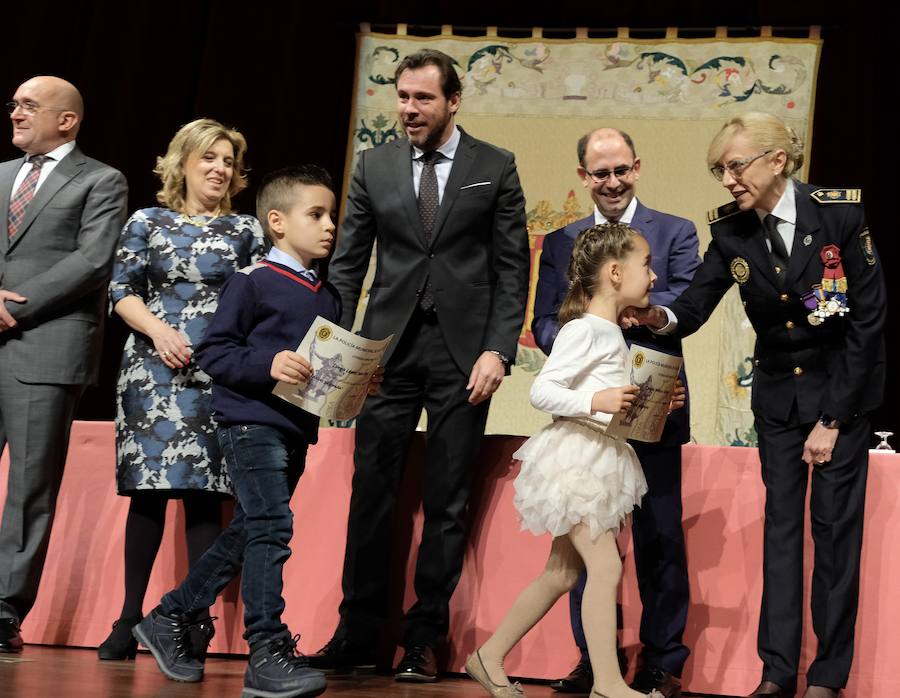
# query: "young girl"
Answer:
x=577 y=483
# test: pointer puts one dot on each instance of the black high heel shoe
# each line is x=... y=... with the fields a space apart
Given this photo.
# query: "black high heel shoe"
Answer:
x=120 y=644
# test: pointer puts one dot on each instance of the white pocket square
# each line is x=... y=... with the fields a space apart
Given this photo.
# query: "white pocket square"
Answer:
x=476 y=184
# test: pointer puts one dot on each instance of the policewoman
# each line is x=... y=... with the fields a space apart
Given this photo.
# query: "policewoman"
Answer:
x=813 y=289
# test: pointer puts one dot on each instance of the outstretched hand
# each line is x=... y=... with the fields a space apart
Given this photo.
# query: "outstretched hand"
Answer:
x=653 y=317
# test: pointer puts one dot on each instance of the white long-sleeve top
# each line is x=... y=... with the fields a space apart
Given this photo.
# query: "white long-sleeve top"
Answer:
x=589 y=354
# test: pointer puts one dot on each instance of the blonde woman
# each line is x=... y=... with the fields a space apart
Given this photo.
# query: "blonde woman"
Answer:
x=814 y=291
x=171 y=262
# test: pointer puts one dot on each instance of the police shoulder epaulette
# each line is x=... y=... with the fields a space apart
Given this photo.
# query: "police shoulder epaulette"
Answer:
x=723 y=211
x=837 y=196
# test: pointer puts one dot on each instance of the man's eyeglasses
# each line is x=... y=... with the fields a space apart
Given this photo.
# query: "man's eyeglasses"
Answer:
x=736 y=167
x=29 y=108
x=600 y=176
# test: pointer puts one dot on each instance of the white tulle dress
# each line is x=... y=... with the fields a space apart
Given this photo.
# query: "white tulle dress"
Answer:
x=571 y=471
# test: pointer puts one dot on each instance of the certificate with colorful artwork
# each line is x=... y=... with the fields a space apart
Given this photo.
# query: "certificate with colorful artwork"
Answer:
x=342 y=366
x=655 y=373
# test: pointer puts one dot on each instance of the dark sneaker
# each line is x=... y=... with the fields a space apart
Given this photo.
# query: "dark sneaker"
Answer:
x=167 y=638
x=341 y=658
x=200 y=633
x=276 y=670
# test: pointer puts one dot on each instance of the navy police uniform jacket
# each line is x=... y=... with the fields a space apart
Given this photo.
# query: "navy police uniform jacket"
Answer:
x=836 y=367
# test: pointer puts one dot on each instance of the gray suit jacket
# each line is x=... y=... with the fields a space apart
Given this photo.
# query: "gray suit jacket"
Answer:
x=60 y=260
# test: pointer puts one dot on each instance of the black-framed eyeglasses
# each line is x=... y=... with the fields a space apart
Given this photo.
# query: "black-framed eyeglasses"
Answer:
x=600 y=176
x=736 y=167
x=28 y=107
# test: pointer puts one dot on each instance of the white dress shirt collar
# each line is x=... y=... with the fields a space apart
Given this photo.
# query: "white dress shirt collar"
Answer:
x=283 y=258
x=56 y=155
x=60 y=152
x=786 y=208
x=627 y=217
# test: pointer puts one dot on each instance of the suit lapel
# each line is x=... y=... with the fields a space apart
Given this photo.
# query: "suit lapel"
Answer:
x=462 y=163
x=6 y=184
x=574 y=229
x=807 y=225
x=67 y=168
x=403 y=166
x=644 y=222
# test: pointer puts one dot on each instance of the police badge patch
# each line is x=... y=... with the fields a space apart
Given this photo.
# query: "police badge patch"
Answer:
x=868 y=248
x=740 y=270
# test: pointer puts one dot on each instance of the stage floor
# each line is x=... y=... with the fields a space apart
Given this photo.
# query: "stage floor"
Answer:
x=56 y=672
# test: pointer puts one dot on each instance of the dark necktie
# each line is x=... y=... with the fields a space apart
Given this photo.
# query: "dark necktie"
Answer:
x=24 y=194
x=428 y=209
x=779 y=252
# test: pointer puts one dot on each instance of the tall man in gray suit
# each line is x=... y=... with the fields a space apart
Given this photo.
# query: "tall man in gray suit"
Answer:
x=451 y=282
x=62 y=213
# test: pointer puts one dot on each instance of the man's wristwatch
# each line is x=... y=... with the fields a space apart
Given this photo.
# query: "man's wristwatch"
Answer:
x=500 y=355
x=829 y=422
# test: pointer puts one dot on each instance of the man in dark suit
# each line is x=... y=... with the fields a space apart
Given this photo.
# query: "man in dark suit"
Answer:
x=63 y=213
x=609 y=169
x=451 y=282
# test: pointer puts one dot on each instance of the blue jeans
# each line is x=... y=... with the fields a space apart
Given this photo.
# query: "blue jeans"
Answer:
x=264 y=465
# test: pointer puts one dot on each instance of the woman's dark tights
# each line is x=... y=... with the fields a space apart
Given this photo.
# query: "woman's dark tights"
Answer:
x=143 y=535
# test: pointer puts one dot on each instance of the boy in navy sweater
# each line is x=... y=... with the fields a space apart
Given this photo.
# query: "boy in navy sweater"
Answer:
x=264 y=311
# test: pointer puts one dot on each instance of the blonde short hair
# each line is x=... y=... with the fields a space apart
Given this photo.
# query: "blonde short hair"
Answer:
x=766 y=131
x=196 y=138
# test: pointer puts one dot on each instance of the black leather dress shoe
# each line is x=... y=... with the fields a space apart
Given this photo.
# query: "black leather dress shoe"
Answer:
x=653 y=678
x=341 y=658
x=417 y=666
x=10 y=638
x=581 y=680
x=768 y=689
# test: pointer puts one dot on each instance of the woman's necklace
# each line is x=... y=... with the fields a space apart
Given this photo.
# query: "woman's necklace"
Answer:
x=199 y=222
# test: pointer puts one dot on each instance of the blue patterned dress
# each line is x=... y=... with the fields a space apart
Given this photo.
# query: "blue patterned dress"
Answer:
x=165 y=437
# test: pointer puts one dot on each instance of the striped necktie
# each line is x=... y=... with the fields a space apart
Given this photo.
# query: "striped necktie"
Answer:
x=24 y=194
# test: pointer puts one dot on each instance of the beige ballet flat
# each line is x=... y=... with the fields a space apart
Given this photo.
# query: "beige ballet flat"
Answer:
x=475 y=669
x=653 y=694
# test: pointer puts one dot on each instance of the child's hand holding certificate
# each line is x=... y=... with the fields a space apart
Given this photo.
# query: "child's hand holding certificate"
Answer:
x=656 y=375
x=343 y=365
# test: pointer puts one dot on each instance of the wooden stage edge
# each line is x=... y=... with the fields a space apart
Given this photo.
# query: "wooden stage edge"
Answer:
x=42 y=671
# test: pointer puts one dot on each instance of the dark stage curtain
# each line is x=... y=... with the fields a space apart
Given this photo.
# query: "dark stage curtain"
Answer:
x=282 y=73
